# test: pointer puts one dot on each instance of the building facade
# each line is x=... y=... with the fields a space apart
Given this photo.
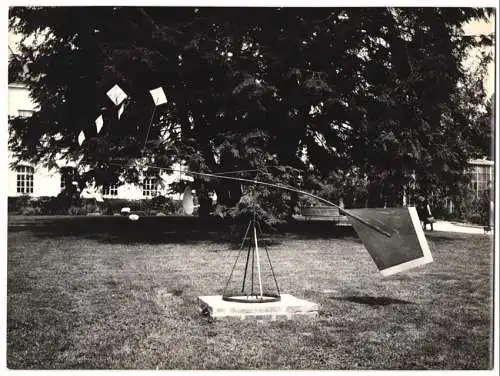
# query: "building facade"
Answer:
x=482 y=176
x=38 y=181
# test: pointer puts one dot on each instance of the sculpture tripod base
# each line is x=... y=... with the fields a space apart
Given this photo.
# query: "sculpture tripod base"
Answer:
x=250 y=280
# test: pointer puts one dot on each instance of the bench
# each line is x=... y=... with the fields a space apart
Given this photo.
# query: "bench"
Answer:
x=324 y=212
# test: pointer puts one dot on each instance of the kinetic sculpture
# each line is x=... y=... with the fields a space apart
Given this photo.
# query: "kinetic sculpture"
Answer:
x=393 y=237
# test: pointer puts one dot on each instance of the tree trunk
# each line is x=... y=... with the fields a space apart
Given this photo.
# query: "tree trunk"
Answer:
x=294 y=198
x=204 y=201
x=228 y=193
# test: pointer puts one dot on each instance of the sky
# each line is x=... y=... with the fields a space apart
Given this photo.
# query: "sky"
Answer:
x=483 y=28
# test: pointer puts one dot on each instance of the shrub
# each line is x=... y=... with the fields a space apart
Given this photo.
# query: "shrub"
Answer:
x=18 y=204
x=308 y=201
x=26 y=205
x=76 y=210
x=151 y=206
x=475 y=218
x=90 y=205
x=65 y=204
x=11 y=204
x=162 y=203
x=47 y=205
x=177 y=207
x=114 y=205
x=29 y=210
x=68 y=198
x=249 y=207
x=477 y=210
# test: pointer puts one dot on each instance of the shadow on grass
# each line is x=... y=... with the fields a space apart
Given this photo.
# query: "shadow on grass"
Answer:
x=173 y=229
x=372 y=301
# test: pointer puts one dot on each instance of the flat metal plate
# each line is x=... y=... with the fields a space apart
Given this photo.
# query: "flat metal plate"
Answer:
x=407 y=247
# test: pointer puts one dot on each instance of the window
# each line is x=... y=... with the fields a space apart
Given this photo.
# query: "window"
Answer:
x=25 y=179
x=481 y=179
x=25 y=113
x=110 y=190
x=150 y=187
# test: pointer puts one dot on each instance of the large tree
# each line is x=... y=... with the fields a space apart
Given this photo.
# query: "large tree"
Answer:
x=318 y=90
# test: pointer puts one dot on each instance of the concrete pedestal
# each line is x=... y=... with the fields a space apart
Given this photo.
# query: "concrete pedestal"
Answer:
x=288 y=307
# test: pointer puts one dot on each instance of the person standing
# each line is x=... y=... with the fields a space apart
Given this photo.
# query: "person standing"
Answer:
x=425 y=213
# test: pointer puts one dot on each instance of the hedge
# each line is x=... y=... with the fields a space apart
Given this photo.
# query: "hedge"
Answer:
x=62 y=205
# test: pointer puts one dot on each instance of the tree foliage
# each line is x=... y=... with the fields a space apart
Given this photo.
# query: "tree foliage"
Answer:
x=318 y=90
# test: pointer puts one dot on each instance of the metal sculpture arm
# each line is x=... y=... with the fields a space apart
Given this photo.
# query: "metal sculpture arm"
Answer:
x=287 y=188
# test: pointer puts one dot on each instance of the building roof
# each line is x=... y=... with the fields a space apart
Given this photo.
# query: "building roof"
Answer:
x=483 y=162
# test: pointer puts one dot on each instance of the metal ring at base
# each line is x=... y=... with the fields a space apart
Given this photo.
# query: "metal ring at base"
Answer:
x=266 y=298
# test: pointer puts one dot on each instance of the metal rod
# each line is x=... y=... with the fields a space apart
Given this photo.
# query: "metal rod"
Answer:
x=149 y=128
x=246 y=268
x=342 y=210
x=248 y=257
x=236 y=171
x=286 y=188
x=258 y=260
x=232 y=270
x=272 y=269
x=253 y=268
x=269 y=259
x=246 y=232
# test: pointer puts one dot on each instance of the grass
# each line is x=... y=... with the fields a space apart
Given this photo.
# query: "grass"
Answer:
x=104 y=293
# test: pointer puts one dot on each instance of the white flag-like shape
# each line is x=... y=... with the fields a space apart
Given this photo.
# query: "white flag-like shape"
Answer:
x=120 y=110
x=81 y=138
x=187 y=201
x=99 y=122
x=98 y=196
x=158 y=96
x=117 y=95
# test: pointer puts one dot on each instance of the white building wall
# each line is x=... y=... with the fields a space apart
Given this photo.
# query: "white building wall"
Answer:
x=45 y=182
x=129 y=192
x=48 y=182
x=134 y=192
x=19 y=99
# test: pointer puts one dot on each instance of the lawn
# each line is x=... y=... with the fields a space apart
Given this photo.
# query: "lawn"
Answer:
x=107 y=293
